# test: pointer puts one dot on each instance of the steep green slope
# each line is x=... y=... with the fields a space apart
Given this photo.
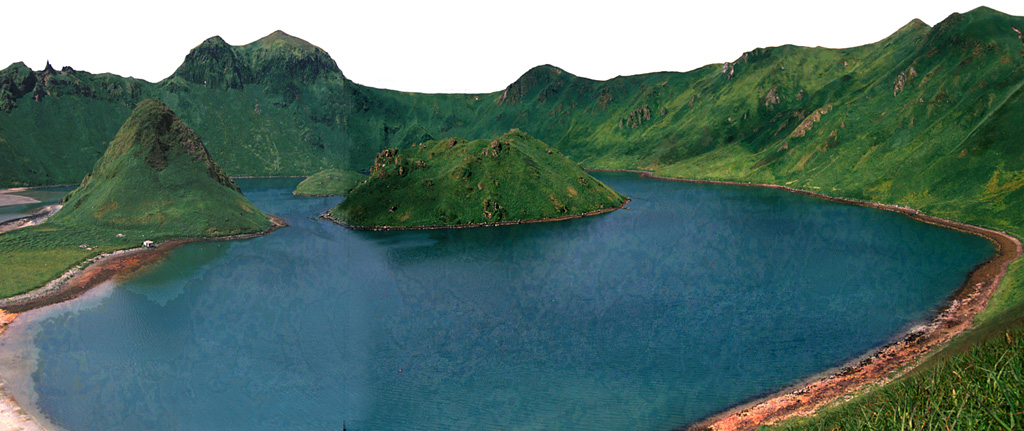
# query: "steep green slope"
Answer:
x=329 y=182
x=454 y=182
x=280 y=106
x=157 y=175
x=928 y=117
x=155 y=181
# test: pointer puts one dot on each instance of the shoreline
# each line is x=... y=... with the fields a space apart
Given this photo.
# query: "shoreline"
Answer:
x=801 y=399
x=38 y=216
x=99 y=269
x=75 y=282
x=327 y=216
x=874 y=367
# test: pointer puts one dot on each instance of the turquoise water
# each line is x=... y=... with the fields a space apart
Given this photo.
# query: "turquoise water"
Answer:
x=694 y=299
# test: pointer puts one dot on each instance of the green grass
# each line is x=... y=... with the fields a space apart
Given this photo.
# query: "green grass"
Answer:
x=929 y=117
x=457 y=182
x=976 y=389
x=33 y=256
x=329 y=182
x=155 y=182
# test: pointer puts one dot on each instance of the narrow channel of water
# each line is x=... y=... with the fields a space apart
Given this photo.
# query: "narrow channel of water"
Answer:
x=695 y=298
x=44 y=196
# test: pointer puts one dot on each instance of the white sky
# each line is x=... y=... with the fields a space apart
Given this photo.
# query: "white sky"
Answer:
x=453 y=46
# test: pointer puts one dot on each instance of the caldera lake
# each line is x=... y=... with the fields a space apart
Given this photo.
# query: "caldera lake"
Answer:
x=694 y=299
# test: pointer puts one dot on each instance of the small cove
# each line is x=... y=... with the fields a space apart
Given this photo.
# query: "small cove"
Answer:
x=43 y=197
x=696 y=298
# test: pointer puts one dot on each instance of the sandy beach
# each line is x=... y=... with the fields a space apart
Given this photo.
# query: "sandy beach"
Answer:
x=12 y=199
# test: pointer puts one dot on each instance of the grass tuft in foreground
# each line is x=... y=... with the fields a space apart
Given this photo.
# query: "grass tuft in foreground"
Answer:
x=981 y=388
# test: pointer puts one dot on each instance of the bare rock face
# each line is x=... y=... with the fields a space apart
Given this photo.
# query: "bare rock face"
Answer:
x=902 y=79
x=1021 y=37
x=772 y=98
x=636 y=117
x=729 y=69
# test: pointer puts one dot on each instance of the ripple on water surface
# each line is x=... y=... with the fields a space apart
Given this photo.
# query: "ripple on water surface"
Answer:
x=694 y=299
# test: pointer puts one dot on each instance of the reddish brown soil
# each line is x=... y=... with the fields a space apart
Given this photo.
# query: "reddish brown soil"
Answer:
x=116 y=265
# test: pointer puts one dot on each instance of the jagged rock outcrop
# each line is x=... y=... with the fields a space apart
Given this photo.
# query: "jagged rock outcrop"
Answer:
x=772 y=98
x=902 y=79
x=636 y=117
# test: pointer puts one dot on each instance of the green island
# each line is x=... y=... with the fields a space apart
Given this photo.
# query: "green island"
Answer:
x=329 y=182
x=155 y=182
x=928 y=118
x=458 y=183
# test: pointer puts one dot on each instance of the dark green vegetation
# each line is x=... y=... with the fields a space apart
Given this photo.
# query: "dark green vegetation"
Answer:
x=329 y=182
x=929 y=117
x=156 y=181
x=457 y=182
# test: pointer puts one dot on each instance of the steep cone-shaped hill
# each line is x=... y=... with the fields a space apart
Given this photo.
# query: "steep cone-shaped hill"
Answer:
x=454 y=182
x=156 y=175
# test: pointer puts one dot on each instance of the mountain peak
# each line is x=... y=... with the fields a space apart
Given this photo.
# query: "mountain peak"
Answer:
x=215 y=64
x=982 y=25
x=280 y=38
x=155 y=131
x=273 y=59
x=534 y=80
x=281 y=57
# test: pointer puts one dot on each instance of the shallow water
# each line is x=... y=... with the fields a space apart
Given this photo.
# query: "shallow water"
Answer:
x=694 y=299
x=45 y=196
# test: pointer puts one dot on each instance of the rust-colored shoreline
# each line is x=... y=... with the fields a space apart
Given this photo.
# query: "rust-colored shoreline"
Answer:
x=327 y=216
x=76 y=281
x=73 y=284
x=804 y=399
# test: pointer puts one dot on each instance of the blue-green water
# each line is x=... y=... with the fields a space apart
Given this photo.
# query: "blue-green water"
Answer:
x=45 y=196
x=692 y=300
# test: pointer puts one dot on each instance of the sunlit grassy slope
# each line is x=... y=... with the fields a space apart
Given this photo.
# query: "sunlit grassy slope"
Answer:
x=930 y=117
x=457 y=182
x=155 y=181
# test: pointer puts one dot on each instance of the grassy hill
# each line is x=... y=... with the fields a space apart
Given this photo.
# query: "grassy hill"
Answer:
x=929 y=117
x=155 y=181
x=454 y=182
x=329 y=182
